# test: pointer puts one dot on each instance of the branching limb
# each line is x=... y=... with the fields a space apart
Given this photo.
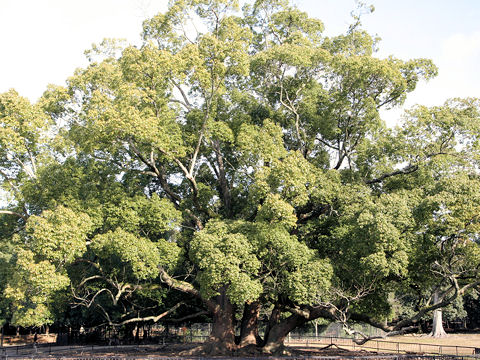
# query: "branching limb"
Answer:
x=185 y=287
x=149 y=318
x=407 y=169
x=186 y=101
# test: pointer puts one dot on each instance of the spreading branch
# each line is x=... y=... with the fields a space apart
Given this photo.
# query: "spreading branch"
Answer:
x=184 y=287
x=148 y=318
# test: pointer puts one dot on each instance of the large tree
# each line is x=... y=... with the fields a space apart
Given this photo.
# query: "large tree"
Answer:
x=242 y=161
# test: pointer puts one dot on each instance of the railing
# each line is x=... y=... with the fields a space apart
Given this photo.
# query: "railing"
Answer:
x=385 y=346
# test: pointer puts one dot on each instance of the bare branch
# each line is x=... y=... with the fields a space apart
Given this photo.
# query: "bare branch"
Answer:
x=185 y=102
x=188 y=317
x=406 y=170
x=9 y=212
x=149 y=318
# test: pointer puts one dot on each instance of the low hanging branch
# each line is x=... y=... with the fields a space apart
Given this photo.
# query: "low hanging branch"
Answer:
x=186 y=288
x=409 y=324
x=148 y=318
x=188 y=317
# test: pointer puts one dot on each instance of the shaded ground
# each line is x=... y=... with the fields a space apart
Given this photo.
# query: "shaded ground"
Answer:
x=28 y=339
x=293 y=350
x=190 y=351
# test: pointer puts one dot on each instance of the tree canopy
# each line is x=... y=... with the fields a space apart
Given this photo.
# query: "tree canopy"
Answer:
x=238 y=157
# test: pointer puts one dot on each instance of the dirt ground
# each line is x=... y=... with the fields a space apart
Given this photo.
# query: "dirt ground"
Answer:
x=189 y=351
x=451 y=339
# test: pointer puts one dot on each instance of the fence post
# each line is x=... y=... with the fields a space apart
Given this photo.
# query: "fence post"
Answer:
x=398 y=348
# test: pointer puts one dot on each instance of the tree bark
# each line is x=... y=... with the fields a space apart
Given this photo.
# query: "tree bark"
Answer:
x=437 y=325
x=272 y=321
x=278 y=333
x=249 y=326
x=222 y=338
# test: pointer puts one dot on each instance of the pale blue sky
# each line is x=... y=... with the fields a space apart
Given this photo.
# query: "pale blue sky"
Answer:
x=446 y=31
x=43 y=40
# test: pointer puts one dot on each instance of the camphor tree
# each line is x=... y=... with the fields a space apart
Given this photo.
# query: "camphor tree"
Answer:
x=249 y=168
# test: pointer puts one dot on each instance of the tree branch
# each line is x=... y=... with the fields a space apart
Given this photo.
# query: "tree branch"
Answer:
x=406 y=170
x=184 y=287
x=9 y=212
x=149 y=318
x=188 y=317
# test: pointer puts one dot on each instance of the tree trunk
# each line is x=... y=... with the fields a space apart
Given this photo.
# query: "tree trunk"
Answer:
x=222 y=338
x=278 y=333
x=249 y=327
x=437 y=325
x=274 y=319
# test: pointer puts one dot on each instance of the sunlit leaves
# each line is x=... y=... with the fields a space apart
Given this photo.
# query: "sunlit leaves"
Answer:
x=23 y=126
x=59 y=235
x=120 y=251
x=226 y=259
x=31 y=288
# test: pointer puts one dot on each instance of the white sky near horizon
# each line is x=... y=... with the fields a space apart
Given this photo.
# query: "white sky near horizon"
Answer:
x=42 y=41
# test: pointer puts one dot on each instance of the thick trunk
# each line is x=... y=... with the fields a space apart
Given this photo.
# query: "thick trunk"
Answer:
x=222 y=338
x=437 y=324
x=278 y=333
x=249 y=327
x=272 y=321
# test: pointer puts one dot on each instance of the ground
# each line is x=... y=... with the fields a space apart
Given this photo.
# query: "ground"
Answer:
x=454 y=344
x=184 y=351
x=451 y=339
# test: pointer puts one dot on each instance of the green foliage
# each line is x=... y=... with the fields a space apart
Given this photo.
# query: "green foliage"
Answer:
x=58 y=236
x=121 y=252
x=226 y=259
x=30 y=289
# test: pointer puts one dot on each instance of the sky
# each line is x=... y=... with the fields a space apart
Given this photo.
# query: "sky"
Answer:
x=42 y=41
